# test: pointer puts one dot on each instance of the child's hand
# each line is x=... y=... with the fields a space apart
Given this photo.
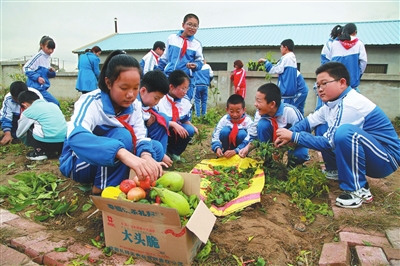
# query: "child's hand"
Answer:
x=262 y=60
x=228 y=154
x=41 y=80
x=243 y=152
x=219 y=152
x=7 y=138
x=191 y=65
x=283 y=137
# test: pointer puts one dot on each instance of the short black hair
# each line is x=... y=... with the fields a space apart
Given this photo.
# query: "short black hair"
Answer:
x=289 y=44
x=190 y=15
x=336 y=31
x=235 y=99
x=17 y=87
x=336 y=70
x=271 y=92
x=27 y=97
x=155 y=80
x=158 y=44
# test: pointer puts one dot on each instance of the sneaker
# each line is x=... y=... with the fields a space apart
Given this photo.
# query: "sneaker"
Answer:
x=36 y=155
x=331 y=174
x=354 y=199
x=176 y=158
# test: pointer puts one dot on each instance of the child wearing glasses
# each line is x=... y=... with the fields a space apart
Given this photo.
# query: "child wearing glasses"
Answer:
x=360 y=138
x=286 y=68
x=184 y=52
x=177 y=109
x=273 y=114
x=150 y=60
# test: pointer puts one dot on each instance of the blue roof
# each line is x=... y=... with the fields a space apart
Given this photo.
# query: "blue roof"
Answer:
x=312 y=34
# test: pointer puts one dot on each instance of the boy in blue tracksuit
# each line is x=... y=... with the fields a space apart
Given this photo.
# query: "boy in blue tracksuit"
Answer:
x=39 y=71
x=273 y=114
x=42 y=126
x=203 y=78
x=11 y=111
x=232 y=131
x=183 y=52
x=360 y=137
x=286 y=68
x=301 y=94
x=153 y=87
x=350 y=51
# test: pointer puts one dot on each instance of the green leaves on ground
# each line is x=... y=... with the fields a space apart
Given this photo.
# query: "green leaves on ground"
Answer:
x=39 y=193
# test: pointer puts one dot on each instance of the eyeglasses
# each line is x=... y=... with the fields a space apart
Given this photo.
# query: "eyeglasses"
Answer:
x=324 y=84
x=182 y=89
x=192 y=26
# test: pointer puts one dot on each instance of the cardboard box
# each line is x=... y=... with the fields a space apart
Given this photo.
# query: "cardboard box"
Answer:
x=154 y=233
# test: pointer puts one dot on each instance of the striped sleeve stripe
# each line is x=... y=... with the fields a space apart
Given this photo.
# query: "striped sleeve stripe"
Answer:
x=33 y=60
x=84 y=107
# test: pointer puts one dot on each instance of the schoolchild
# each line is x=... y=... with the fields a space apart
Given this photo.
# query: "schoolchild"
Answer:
x=89 y=71
x=203 y=79
x=39 y=71
x=106 y=134
x=177 y=109
x=150 y=61
x=183 y=52
x=11 y=111
x=360 y=137
x=286 y=68
x=42 y=126
x=273 y=114
x=238 y=77
x=231 y=133
x=350 y=51
x=153 y=87
x=301 y=94
x=326 y=49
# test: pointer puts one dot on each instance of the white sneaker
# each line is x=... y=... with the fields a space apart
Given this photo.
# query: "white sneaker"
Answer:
x=354 y=199
x=331 y=174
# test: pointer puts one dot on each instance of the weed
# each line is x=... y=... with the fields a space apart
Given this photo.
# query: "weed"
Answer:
x=67 y=107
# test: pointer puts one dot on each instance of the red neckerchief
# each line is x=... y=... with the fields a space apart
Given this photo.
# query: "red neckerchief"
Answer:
x=156 y=56
x=122 y=119
x=348 y=44
x=235 y=131
x=184 y=46
x=175 y=111
x=160 y=119
x=274 y=127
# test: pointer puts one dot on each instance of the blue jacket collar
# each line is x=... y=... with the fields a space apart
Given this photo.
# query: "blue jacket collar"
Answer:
x=190 y=38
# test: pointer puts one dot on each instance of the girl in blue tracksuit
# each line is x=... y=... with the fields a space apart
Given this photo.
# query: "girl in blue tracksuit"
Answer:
x=177 y=109
x=350 y=51
x=359 y=136
x=88 y=66
x=106 y=134
x=39 y=71
x=288 y=75
x=326 y=49
x=184 y=52
x=203 y=78
x=272 y=114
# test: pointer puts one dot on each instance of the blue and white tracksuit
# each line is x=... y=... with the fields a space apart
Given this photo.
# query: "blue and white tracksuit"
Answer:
x=10 y=113
x=360 y=136
x=39 y=66
x=299 y=101
x=48 y=122
x=326 y=49
x=89 y=72
x=149 y=62
x=286 y=68
x=202 y=78
x=156 y=132
x=176 y=144
x=95 y=136
x=286 y=116
x=171 y=59
x=353 y=55
x=220 y=136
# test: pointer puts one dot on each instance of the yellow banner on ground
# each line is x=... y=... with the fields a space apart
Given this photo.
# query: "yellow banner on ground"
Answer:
x=246 y=197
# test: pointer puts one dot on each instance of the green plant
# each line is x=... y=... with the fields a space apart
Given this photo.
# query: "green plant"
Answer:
x=307 y=182
x=255 y=66
x=310 y=209
x=214 y=92
x=269 y=56
x=67 y=107
x=212 y=117
x=20 y=76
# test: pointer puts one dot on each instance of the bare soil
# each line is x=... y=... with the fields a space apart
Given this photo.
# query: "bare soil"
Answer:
x=271 y=229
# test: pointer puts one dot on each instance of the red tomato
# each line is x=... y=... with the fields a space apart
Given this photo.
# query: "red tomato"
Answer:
x=126 y=185
x=145 y=184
